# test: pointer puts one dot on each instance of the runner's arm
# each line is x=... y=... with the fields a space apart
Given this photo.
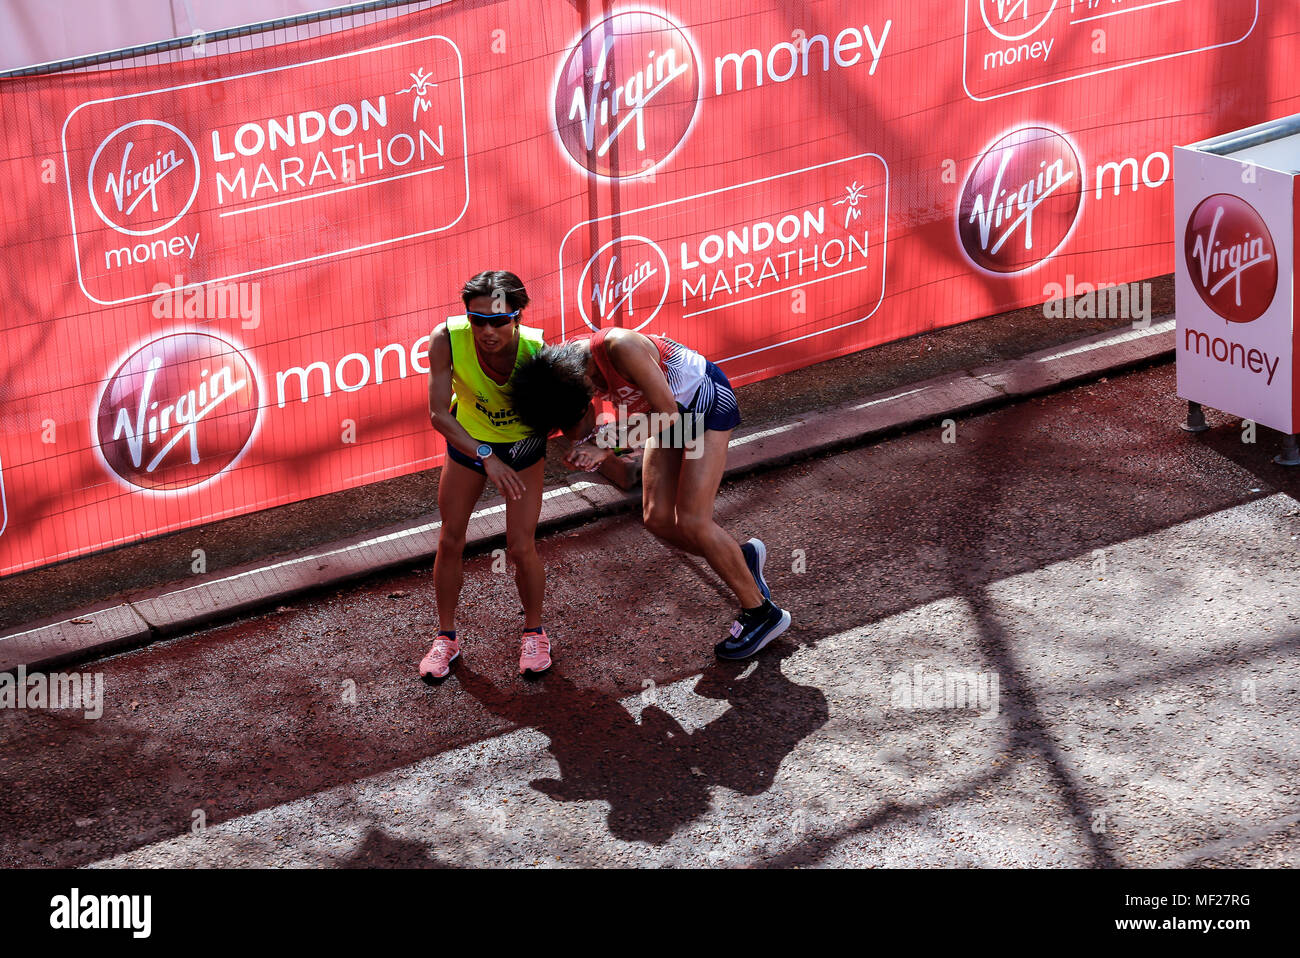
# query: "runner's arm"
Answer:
x=637 y=358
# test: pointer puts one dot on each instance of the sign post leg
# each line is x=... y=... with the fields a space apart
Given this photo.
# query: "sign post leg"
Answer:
x=1195 y=418
x=1290 y=454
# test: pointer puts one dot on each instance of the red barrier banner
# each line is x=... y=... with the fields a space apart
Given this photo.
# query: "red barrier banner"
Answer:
x=221 y=270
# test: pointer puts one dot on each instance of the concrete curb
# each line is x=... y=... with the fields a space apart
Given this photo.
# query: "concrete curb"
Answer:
x=171 y=611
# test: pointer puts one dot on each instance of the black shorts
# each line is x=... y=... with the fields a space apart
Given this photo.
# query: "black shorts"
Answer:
x=517 y=455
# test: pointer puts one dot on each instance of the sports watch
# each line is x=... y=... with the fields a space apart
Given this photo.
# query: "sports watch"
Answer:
x=483 y=450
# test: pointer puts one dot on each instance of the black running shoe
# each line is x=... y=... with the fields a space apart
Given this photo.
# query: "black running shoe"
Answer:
x=749 y=634
x=755 y=554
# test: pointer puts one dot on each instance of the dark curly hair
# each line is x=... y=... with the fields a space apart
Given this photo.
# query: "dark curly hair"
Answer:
x=494 y=283
x=550 y=388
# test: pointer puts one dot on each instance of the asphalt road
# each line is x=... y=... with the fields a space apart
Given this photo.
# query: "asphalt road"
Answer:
x=1123 y=595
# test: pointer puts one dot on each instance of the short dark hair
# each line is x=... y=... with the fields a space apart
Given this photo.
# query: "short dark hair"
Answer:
x=494 y=283
x=550 y=389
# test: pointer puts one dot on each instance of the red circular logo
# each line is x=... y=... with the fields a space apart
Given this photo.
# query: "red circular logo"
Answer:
x=143 y=177
x=1231 y=258
x=1021 y=200
x=627 y=94
x=177 y=412
x=624 y=284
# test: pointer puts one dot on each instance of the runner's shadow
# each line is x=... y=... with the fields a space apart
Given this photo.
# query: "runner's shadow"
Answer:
x=654 y=775
x=640 y=770
x=743 y=748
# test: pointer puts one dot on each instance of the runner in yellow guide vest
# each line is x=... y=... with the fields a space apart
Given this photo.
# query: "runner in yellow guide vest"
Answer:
x=472 y=360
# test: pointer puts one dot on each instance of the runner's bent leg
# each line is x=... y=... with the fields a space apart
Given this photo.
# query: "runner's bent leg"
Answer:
x=521 y=543
x=660 y=470
x=458 y=490
x=697 y=488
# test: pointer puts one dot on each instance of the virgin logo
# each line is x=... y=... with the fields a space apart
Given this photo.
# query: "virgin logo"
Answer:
x=177 y=412
x=143 y=177
x=1021 y=201
x=627 y=94
x=1015 y=19
x=1231 y=258
x=624 y=284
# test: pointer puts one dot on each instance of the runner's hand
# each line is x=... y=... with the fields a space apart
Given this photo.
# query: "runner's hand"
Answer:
x=504 y=478
x=587 y=456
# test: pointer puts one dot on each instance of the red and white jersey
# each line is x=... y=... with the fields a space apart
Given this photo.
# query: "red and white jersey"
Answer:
x=684 y=368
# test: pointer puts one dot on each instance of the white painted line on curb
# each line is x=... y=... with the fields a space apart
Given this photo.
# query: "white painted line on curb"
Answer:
x=777 y=430
x=1126 y=337
x=877 y=402
x=763 y=434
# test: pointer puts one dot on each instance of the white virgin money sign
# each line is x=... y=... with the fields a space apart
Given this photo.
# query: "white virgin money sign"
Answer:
x=1235 y=253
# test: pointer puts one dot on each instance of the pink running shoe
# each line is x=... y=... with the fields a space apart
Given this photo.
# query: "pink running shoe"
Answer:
x=437 y=663
x=534 y=652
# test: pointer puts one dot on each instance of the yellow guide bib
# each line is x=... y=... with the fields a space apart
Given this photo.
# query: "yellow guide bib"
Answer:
x=482 y=406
